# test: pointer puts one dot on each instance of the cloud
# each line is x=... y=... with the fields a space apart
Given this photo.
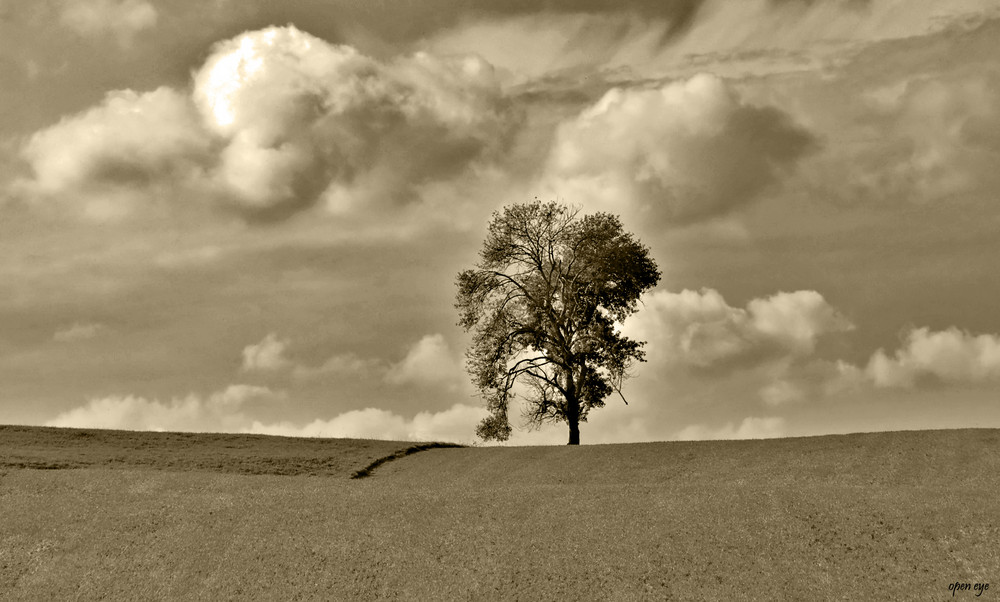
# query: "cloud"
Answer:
x=681 y=153
x=699 y=331
x=123 y=19
x=949 y=356
x=178 y=259
x=917 y=137
x=78 y=332
x=788 y=382
x=925 y=359
x=220 y=412
x=531 y=48
x=456 y=424
x=403 y=23
x=300 y=115
x=344 y=364
x=149 y=141
x=267 y=355
x=781 y=392
x=646 y=41
x=949 y=136
x=429 y=362
x=750 y=428
x=277 y=120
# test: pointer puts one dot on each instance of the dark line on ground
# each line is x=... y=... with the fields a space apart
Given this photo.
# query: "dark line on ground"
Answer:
x=367 y=470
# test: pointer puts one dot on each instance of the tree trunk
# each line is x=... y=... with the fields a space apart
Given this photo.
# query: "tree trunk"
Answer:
x=574 y=431
x=572 y=410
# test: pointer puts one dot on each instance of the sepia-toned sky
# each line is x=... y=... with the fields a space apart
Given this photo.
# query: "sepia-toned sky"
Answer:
x=248 y=216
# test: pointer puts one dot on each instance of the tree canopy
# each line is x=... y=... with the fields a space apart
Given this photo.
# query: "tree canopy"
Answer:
x=544 y=302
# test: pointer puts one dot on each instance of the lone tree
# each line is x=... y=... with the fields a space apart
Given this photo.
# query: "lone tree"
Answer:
x=544 y=301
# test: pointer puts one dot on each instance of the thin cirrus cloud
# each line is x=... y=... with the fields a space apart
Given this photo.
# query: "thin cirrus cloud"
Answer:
x=403 y=23
x=278 y=119
x=684 y=152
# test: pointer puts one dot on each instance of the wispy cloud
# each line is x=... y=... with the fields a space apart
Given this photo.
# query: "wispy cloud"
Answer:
x=123 y=19
x=342 y=365
x=750 y=428
x=79 y=332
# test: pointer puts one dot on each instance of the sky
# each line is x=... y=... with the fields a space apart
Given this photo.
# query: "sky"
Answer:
x=248 y=216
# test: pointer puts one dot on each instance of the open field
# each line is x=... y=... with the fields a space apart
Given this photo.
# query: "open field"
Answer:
x=157 y=516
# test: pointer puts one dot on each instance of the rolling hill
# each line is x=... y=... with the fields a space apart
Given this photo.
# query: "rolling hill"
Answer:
x=121 y=515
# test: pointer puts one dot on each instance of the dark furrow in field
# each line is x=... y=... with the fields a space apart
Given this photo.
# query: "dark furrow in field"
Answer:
x=367 y=470
x=43 y=448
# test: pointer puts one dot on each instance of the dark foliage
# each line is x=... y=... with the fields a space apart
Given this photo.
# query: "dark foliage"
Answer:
x=543 y=302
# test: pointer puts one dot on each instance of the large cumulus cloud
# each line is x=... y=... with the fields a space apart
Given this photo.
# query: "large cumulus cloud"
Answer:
x=683 y=152
x=700 y=331
x=771 y=352
x=278 y=119
x=301 y=116
x=95 y=160
x=944 y=357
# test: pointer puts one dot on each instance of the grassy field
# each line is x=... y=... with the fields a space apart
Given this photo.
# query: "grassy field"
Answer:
x=176 y=516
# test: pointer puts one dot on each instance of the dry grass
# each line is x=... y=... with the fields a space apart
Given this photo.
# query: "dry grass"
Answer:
x=875 y=516
x=56 y=448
